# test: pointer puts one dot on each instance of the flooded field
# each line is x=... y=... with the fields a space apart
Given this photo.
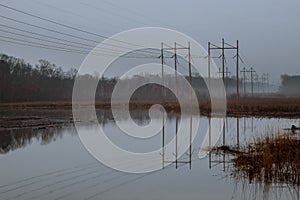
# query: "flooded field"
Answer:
x=51 y=163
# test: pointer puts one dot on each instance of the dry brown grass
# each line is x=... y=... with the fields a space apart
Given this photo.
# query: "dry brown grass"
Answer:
x=273 y=159
x=264 y=107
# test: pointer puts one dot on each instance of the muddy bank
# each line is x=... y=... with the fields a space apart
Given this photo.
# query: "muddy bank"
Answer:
x=32 y=122
x=48 y=114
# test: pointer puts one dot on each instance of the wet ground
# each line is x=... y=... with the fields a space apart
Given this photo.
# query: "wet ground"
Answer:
x=51 y=163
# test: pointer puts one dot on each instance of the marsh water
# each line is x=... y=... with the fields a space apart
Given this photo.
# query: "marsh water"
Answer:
x=53 y=164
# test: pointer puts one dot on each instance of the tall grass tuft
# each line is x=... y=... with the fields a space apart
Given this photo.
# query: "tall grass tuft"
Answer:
x=274 y=158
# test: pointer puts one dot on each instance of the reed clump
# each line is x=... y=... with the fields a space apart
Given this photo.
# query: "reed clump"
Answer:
x=271 y=159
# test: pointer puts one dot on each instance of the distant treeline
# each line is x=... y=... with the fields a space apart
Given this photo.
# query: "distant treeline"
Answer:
x=21 y=82
x=290 y=85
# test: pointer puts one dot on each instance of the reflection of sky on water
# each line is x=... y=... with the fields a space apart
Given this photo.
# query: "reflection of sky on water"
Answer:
x=75 y=174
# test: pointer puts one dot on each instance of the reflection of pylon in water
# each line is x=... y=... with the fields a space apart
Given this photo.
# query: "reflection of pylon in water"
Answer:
x=177 y=160
x=221 y=159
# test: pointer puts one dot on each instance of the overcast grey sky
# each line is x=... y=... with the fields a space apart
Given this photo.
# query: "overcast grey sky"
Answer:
x=268 y=30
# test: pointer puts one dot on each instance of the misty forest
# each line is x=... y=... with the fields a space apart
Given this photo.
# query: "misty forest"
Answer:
x=21 y=82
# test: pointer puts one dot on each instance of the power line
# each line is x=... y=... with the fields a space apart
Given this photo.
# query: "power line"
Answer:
x=55 y=183
x=47 y=29
x=43 y=35
x=113 y=13
x=75 y=14
x=67 y=173
x=47 y=174
x=74 y=183
x=45 y=40
x=37 y=43
x=251 y=71
x=121 y=184
x=225 y=46
x=65 y=25
x=62 y=33
x=65 y=180
x=128 y=10
x=65 y=44
x=59 y=39
x=43 y=46
x=132 y=11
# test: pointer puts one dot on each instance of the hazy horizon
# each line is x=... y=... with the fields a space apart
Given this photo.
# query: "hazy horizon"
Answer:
x=267 y=31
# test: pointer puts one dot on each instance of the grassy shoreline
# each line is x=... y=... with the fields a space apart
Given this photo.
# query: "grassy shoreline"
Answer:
x=258 y=107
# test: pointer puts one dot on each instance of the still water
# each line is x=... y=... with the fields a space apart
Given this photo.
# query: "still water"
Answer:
x=53 y=164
